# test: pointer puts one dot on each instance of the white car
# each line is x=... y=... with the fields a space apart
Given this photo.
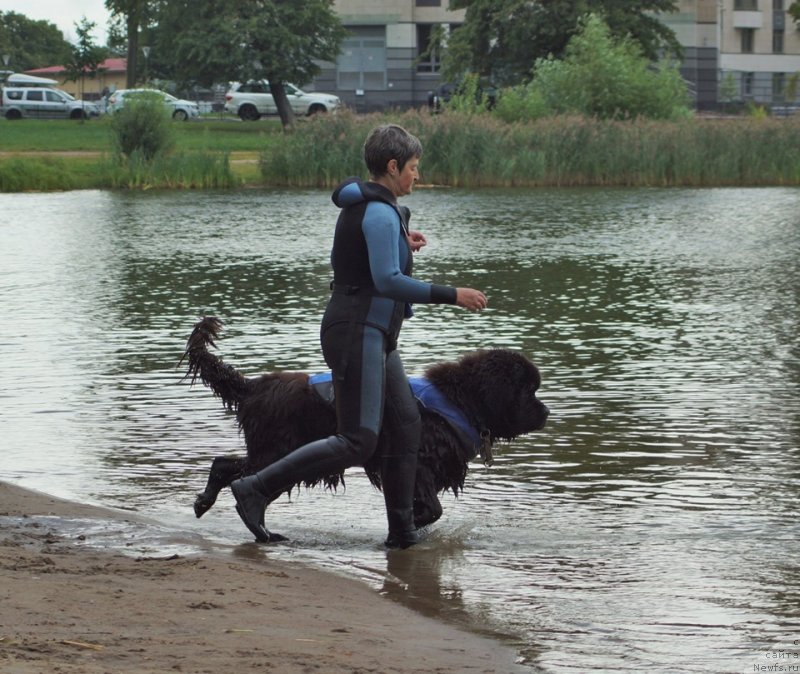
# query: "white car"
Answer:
x=27 y=96
x=251 y=100
x=180 y=109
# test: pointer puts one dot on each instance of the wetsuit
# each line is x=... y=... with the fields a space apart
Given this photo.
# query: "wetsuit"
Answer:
x=372 y=292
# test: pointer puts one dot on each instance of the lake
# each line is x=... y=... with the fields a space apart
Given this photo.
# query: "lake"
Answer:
x=651 y=526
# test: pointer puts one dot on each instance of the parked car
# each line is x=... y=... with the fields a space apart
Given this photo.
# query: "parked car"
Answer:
x=44 y=103
x=251 y=100
x=180 y=109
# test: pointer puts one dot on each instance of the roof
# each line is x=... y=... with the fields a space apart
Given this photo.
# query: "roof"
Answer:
x=109 y=65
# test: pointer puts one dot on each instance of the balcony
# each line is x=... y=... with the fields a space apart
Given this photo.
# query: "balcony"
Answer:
x=747 y=18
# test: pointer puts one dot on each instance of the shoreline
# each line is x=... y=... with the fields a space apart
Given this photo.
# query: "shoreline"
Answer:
x=68 y=607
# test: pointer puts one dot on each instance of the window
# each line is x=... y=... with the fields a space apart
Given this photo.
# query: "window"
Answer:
x=745 y=5
x=747 y=84
x=777 y=41
x=748 y=36
x=429 y=3
x=34 y=95
x=777 y=5
x=254 y=88
x=362 y=61
x=428 y=52
x=778 y=86
x=54 y=97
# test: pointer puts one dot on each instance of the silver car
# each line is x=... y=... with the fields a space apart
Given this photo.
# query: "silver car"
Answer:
x=44 y=103
x=179 y=109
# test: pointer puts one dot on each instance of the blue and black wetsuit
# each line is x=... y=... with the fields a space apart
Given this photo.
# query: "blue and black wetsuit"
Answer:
x=372 y=292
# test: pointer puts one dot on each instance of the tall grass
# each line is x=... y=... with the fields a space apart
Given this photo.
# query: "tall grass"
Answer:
x=481 y=151
x=196 y=170
x=320 y=152
x=177 y=171
x=40 y=174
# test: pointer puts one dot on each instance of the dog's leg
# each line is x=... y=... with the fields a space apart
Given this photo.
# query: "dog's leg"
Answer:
x=427 y=507
x=224 y=470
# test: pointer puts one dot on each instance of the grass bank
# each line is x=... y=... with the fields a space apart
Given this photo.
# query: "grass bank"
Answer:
x=46 y=155
x=460 y=150
x=482 y=151
x=94 y=135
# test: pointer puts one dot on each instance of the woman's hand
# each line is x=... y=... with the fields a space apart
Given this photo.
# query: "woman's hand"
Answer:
x=416 y=240
x=471 y=299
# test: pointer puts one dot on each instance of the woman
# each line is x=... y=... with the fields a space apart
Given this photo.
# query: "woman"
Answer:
x=372 y=292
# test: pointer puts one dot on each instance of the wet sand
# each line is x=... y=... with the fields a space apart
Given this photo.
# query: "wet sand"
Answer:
x=69 y=607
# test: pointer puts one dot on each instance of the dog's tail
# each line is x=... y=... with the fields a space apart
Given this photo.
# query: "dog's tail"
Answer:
x=227 y=383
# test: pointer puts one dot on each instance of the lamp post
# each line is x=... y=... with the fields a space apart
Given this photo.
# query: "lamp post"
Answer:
x=6 y=60
x=146 y=52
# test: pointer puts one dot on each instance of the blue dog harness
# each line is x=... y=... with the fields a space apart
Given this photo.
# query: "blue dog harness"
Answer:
x=427 y=394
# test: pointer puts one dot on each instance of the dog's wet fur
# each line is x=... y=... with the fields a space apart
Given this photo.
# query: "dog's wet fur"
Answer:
x=279 y=412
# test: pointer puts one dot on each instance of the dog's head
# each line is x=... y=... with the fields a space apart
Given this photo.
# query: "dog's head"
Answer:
x=496 y=388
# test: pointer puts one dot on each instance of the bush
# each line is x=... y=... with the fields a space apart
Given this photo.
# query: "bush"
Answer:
x=520 y=103
x=469 y=97
x=143 y=127
x=601 y=77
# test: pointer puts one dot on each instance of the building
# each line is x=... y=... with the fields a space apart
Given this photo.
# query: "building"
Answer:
x=759 y=49
x=739 y=50
x=110 y=77
x=380 y=65
x=749 y=49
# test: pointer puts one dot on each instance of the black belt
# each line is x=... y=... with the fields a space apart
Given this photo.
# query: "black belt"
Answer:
x=344 y=289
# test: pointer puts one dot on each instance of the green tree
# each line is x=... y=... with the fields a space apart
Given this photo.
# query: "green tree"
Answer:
x=197 y=42
x=280 y=40
x=31 y=44
x=86 y=56
x=794 y=11
x=133 y=13
x=500 y=39
x=609 y=78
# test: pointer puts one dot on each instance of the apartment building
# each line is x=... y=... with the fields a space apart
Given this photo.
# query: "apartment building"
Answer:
x=752 y=47
x=760 y=50
x=744 y=50
x=380 y=66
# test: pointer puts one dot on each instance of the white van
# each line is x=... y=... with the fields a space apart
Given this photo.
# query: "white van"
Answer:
x=36 y=97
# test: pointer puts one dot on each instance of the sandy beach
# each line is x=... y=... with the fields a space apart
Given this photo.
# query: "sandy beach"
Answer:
x=67 y=606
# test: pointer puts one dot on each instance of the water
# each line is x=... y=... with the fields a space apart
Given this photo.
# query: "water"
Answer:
x=651 y=526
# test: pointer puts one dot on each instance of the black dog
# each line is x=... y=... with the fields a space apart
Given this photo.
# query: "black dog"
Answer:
x=465 y=406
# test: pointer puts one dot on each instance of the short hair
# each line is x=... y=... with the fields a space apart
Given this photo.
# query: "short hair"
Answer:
x=387 y=142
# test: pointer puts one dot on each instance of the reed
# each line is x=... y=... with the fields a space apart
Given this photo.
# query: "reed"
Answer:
x=197 y=170
x=467 y=150
x=42 y=174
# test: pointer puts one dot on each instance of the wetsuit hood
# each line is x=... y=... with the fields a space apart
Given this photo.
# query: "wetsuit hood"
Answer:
x=353 y=191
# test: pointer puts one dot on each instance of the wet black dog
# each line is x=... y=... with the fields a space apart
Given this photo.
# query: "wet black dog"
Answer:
x=484 y=396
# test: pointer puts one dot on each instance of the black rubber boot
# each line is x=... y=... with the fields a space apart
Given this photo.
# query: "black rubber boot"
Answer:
x=308 y=463
x=251 y=504
x=398 y=473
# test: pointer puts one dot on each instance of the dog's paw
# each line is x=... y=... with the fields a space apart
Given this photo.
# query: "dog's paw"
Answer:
x=202 y=505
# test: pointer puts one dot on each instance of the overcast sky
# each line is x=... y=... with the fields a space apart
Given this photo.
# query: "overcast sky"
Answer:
x=64 y=13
